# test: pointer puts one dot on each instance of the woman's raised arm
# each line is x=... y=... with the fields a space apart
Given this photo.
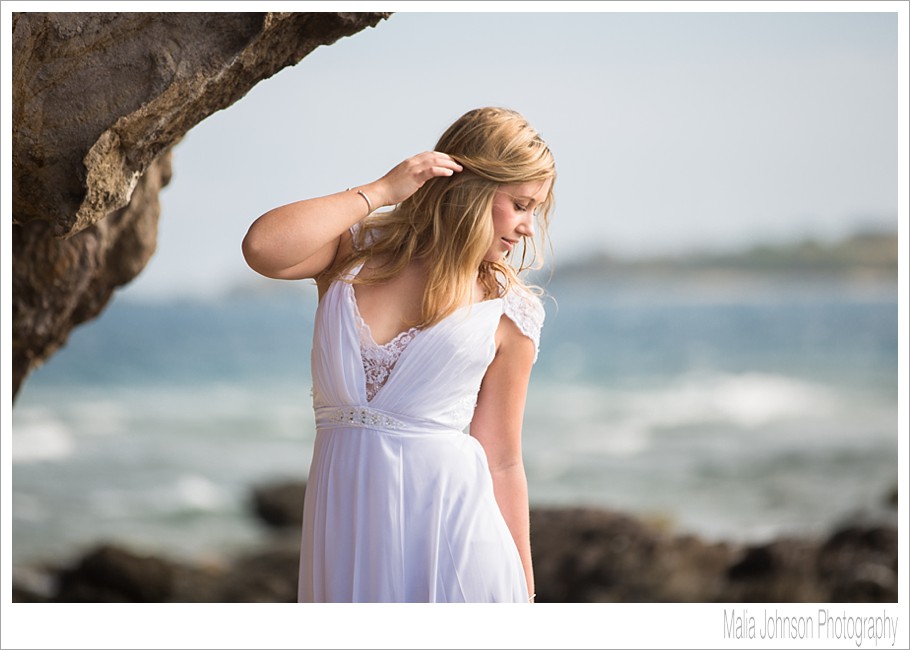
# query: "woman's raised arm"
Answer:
x=301 y=239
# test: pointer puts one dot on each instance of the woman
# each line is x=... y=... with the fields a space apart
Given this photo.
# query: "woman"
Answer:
x=423 y=329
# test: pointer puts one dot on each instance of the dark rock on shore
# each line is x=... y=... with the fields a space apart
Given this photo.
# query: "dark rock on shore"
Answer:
x=859 y=564
x=280 y=503
x=112 y=574
x=586 y=555
x=593 y=555
x=580 y=555
x=779 y=571
x=267 y=576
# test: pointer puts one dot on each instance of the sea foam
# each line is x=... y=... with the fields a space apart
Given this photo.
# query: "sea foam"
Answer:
x=40 y=437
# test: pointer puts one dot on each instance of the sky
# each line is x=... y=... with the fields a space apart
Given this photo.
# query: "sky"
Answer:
x=672 y=132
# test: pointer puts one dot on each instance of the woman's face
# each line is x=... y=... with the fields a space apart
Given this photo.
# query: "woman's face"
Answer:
x=514 y=207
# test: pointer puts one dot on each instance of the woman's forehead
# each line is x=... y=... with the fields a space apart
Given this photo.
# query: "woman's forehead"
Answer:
x=534 y=190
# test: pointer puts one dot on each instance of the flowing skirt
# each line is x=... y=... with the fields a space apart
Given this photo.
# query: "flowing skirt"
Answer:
x=404 y=517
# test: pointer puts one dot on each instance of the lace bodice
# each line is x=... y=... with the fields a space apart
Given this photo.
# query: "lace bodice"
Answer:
x=379 y=360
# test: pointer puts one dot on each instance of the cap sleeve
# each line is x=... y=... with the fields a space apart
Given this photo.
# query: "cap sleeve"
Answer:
x=355 y=231
x=526 y=311
x=362 y=239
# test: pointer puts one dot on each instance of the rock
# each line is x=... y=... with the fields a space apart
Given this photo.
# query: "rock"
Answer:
x=23 y=594
x=757 y=561
x=280 y=504
x=99 y=100
x=587 y=555
x=60 y=283
x=593 y=555
x=891 y=499
x=859 y=564
x=693 y=570
x=779 y=571
x=34 y=584
x=114 y=575
x=265 y=576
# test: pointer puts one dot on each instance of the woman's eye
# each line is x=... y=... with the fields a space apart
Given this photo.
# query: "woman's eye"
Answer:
x=520 y=207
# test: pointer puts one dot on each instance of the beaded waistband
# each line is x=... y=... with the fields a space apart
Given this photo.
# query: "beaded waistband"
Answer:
x=360 y=416
x=328 y=417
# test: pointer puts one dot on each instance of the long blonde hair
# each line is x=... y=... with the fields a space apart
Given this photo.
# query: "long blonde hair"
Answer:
x=448 y=221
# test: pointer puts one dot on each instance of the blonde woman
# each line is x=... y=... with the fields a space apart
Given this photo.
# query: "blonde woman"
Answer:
x=424 y=330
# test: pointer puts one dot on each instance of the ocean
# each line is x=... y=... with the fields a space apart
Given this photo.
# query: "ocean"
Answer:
x=735 y=411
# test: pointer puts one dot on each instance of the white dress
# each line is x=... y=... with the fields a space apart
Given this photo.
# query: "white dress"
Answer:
x=399 y=503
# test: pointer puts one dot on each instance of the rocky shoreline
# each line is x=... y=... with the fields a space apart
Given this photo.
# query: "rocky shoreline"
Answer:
x=581 y=555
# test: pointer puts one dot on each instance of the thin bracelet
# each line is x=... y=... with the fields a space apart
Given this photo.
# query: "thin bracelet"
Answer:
x=367 y=199
x=531 y=599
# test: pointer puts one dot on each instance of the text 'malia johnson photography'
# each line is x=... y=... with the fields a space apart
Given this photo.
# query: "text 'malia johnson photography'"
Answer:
x=867 y=630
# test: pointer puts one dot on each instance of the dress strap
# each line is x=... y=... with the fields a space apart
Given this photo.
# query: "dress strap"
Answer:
x=527 y=312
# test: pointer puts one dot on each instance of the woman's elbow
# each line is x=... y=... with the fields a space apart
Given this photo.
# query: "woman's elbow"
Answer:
x=256 y=254
x=251 y=250
x=506 y=464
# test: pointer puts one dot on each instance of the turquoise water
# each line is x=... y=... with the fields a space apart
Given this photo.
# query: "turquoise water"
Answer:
x=734 y=412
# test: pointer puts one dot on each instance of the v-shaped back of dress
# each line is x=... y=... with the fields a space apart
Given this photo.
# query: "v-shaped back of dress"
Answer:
x=436 y=375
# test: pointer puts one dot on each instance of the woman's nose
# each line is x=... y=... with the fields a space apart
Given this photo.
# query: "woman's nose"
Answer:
x=526 y=226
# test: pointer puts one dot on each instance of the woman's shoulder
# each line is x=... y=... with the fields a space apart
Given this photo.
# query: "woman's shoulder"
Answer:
x=525 y=309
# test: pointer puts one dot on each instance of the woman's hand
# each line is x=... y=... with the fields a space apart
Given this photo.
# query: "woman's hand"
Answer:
x=409 y=176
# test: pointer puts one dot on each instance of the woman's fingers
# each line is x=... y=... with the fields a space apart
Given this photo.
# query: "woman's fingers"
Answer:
x=435 y=163
x=409 y=176
x=447 y=162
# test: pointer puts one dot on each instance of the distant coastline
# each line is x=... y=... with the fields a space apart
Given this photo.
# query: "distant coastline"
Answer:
x=870 y=255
